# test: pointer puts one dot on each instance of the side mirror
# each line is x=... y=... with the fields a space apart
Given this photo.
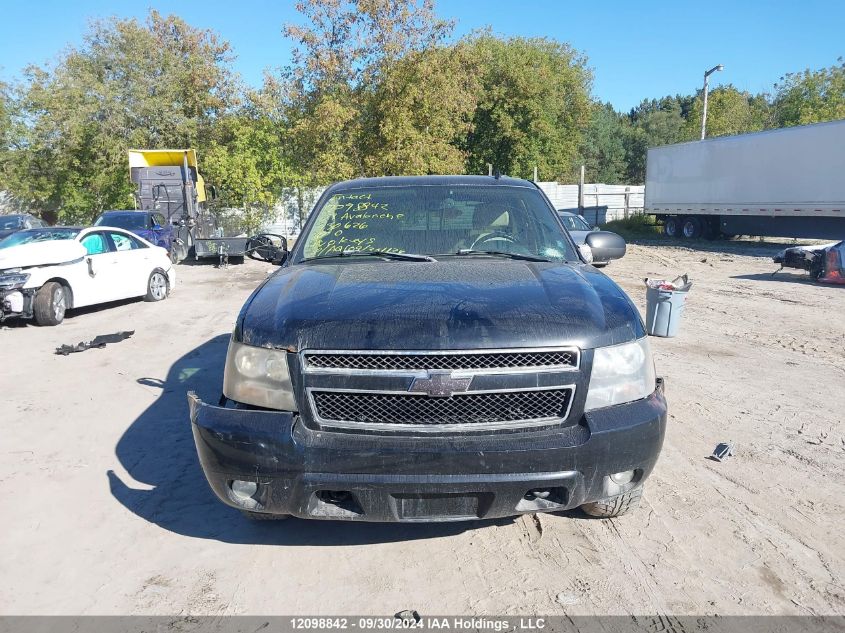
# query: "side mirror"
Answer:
x=605 y=245
x=269 y=247
x=156 y=227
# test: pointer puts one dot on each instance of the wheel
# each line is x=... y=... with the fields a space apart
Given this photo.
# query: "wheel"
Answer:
x=671 y=227
x=157 y=286
x=50 y=304
x=615 y=506
x=263 y=516
x=691 y=228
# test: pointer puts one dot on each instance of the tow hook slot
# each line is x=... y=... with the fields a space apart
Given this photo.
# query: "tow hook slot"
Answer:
x=538 y=499
x=334 y=503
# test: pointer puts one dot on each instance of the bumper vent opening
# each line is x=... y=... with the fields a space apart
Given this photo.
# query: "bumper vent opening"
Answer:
x=543 y=499
x=419 y=410
x=337 y=504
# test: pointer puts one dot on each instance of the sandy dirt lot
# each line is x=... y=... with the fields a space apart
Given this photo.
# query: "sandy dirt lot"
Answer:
x=106 y=511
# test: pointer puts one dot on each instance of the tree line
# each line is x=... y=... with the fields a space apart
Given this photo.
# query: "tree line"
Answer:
x=374 y=87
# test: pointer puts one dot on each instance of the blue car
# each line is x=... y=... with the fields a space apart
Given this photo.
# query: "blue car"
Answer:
x=150 y=225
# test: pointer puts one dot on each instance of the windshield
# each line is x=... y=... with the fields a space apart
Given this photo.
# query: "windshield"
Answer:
x=128 y=221
x=10 y=222
x=38 y=235
x=437 y=220
x=574 y=222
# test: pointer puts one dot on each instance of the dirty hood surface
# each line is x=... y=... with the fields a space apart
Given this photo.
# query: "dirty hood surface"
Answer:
x=40 y=254
x=449 y=304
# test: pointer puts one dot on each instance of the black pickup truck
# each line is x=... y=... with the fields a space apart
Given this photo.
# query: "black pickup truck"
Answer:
x=434 y=348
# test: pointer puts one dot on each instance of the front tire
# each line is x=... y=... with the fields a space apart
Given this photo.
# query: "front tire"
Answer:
x=692 y=228
x=50 y=304
x=158 y=287
x=614 y=506
x=672 y=227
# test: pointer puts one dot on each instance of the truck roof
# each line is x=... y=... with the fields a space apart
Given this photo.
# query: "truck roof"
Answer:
x=404 y=181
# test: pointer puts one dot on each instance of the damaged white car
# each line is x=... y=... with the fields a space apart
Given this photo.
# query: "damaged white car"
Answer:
x=46 y=271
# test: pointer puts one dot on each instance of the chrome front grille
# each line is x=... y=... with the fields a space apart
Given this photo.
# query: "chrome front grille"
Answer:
x=421 y=410
x=459 y=361
x=440 y=391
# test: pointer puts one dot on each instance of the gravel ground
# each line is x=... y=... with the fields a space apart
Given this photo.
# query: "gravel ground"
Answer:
x=107 y=512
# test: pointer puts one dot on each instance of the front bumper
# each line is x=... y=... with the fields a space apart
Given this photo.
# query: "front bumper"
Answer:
x=324 y=475
x=16 y=303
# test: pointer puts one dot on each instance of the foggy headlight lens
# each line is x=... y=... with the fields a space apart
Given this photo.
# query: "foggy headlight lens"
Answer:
x=13 y=281
x=258 y=376
x=621 y=373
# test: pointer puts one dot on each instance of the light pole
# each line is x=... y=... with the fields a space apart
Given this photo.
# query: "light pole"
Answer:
x=704 y=114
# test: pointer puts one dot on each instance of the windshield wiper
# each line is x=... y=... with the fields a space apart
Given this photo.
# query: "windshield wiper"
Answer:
x=528 y=258
x=410 y=257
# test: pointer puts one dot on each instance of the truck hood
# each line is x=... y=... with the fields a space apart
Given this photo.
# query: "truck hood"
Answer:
x=45 y=253
x=449 y=304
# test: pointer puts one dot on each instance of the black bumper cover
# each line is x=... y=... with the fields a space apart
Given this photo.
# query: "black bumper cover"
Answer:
x=328 y=475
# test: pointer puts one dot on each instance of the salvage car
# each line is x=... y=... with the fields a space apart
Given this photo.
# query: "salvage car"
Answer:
x=150 y=225
x=579 y=230
x=434 y=348
x=18 y=222
x=45 y=272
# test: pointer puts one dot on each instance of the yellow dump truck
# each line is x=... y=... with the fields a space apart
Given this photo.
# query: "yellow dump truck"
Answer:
x=168 y=181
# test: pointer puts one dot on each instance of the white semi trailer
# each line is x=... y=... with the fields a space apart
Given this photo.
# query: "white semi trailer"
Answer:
x=781 y=183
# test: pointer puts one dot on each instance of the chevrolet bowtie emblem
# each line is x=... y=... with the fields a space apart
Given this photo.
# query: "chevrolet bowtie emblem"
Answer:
x=440 y=384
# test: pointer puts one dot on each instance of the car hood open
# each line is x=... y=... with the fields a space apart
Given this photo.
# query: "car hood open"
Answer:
x=45 y=253
x=449 y=304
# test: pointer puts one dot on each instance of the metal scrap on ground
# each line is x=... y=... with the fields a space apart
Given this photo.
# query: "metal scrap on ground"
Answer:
x=99 y=341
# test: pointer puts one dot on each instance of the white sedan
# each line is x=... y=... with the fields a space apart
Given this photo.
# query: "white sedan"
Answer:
x=46 y=271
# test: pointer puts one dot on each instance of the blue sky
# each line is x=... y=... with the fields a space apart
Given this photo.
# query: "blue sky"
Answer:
x=637 y=49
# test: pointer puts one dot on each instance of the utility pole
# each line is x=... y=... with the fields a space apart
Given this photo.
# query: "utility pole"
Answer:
x=704 y=114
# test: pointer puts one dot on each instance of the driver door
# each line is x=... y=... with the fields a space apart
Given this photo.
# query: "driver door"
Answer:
x=99 y=281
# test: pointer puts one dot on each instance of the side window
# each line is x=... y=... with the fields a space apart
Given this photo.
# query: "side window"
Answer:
x=158 y=218
x=95 y=244
x=123 y=242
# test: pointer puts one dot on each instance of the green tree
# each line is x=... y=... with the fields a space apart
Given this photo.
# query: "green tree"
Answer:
x=159 y=84
x=811 y=96
x=420 y=112
x=534 y=104
x=603 y=150
x=653 y=122
x=729 y=111
x=350 y=58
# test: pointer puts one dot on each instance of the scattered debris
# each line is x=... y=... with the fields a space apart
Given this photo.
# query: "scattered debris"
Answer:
x=99 y=342
x=825 y=263
x=567 y=599
x=681 y=283
x=408 y=615
x=722 y=450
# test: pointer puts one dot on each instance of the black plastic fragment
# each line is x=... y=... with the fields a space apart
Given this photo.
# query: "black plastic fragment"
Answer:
x=99 y=341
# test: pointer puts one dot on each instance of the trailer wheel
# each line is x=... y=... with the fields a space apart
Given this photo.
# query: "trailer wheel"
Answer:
x=672 y=226
x=691 y=228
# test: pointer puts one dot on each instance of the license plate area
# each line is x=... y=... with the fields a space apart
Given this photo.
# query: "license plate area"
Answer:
x=441 y=506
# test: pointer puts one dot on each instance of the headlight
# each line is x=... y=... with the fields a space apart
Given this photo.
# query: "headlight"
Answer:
x=258 y=376
x=621 y=373
x=13 y=281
